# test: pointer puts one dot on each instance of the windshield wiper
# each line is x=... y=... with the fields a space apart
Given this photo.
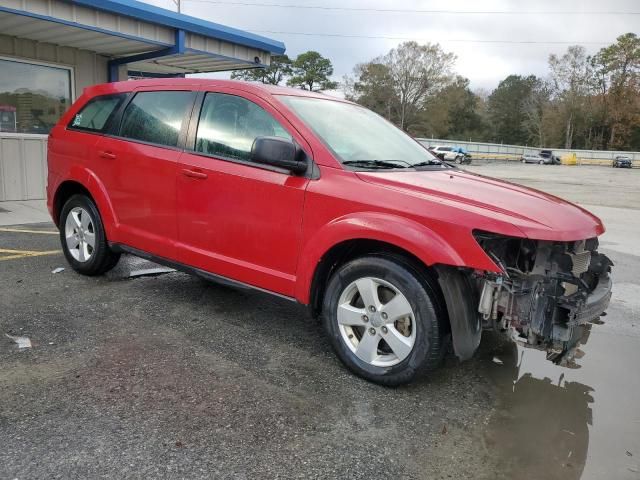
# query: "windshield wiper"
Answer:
x=378 y=163
x=429 y=163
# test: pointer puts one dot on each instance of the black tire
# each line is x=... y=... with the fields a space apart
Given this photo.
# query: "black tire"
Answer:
x=458 y=160
x=430 y=333
x=102 y=258
x=541 y=162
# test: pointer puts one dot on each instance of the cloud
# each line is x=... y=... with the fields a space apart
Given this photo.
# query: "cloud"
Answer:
x=485 y=64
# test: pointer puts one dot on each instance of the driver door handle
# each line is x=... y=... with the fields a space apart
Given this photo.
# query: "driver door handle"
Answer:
x=194 y=174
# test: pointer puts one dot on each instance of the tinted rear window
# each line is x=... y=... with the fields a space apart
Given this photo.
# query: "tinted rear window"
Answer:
x=95 y=115
x=156 y=117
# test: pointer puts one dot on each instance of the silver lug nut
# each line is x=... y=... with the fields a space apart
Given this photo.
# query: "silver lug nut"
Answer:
x=365 y=319
x=384 y=330
x=372 y=331
x=384 y=316
x=372 y=308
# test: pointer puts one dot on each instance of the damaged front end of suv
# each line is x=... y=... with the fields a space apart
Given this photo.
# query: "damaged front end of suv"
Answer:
x=547 y=292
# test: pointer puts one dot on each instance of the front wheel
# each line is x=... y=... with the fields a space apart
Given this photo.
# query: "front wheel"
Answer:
x=541 y=162
x=83 y=239
x=459 y=160
x=382 y=320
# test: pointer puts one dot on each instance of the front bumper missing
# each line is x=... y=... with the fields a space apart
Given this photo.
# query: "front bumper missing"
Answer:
x=549 y=312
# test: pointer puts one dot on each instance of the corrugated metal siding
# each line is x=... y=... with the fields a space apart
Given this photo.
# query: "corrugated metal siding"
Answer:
x=23 y=165
x=231 y=50
x=63 y=11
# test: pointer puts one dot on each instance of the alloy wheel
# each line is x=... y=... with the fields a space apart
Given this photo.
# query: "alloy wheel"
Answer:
x=376 y=322
x=80 y=234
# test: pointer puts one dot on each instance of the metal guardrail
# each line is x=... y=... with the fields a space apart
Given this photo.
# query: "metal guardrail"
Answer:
x=514 y=152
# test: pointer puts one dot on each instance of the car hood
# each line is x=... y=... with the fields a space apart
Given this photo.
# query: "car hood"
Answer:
x=536 y=214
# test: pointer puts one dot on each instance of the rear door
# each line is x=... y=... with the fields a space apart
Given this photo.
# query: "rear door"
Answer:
x=138 y=165
x=236 y=218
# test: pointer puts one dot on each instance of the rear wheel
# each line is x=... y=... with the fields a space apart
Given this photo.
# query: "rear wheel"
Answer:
x=381 y=317
x=83 y=239
x=458 y=159
x=541 y=162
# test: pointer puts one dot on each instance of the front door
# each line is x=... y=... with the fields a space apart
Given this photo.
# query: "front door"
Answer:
x=236 y=218
x=138 y=166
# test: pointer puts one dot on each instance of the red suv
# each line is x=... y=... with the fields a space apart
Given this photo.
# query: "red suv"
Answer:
x=320 y=201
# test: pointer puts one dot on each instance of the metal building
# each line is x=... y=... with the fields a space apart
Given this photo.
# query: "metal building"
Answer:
x=51 y=49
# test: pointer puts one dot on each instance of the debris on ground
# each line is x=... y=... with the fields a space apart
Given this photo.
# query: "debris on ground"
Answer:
x=149 y=272
x=497 y=360
x=58 y=270
x=23 y=342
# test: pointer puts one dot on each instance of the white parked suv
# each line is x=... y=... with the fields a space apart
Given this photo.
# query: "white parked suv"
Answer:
x=448 y=154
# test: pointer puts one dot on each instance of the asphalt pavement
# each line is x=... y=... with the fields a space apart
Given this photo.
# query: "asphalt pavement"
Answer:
x=168 y=376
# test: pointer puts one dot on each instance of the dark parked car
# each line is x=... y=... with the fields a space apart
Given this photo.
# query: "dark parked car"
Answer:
x=550 y=158
x=622 y=161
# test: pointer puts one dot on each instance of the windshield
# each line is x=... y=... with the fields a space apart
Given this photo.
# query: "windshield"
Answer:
x=358 y=137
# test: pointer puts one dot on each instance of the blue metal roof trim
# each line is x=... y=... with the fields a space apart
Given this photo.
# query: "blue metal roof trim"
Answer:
x=153 y=14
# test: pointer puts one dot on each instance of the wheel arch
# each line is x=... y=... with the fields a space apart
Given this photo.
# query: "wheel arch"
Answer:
x=394 y=232
x=64 y=192
x=348 y=250
x=84 y=183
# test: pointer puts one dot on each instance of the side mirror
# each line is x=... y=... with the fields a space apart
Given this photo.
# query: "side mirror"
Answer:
x=279 y=152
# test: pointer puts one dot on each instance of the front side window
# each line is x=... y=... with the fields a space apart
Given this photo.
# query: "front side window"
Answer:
x=32 y=97
x=156 y=117
x=229 y=125
x=95 y=115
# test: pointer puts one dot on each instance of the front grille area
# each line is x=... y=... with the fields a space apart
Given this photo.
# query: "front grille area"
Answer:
x=581 y=261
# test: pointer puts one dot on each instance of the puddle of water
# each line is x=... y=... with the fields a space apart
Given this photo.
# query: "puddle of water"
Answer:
x=541 y=425
x=553 y=422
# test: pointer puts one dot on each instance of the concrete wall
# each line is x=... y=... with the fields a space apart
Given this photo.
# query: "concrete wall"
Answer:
x=23 y=165
x=513 y=152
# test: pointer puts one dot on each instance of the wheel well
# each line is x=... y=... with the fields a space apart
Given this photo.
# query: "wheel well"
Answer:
x=65 y=191
x=346 y=251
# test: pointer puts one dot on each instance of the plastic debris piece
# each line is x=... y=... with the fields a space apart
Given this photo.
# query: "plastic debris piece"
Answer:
x=58 y=270
x=23 y=342
x=146 y=272
x=497 y=360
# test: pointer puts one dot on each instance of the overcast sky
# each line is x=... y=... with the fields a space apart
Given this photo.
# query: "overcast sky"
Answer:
x=466 y=35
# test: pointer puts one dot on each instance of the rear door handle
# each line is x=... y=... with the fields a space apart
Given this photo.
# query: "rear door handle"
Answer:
x=107 y=155
x=194 y=174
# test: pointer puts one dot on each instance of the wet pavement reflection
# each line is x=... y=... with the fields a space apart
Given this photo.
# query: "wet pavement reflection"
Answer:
x=540 y=428
x=557 y=423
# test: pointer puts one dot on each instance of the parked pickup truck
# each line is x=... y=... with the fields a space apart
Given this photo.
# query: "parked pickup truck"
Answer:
x=550 y=158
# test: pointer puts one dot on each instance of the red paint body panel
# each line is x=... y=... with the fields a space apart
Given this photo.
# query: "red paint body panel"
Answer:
x=270 y=229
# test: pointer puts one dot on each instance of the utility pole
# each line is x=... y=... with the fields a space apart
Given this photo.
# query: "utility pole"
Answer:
x=177 y=2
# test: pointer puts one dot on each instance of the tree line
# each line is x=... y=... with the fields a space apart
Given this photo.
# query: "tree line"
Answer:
x=585 y=101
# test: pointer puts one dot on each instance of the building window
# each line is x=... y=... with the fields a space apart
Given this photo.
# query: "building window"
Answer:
x=32 y=96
